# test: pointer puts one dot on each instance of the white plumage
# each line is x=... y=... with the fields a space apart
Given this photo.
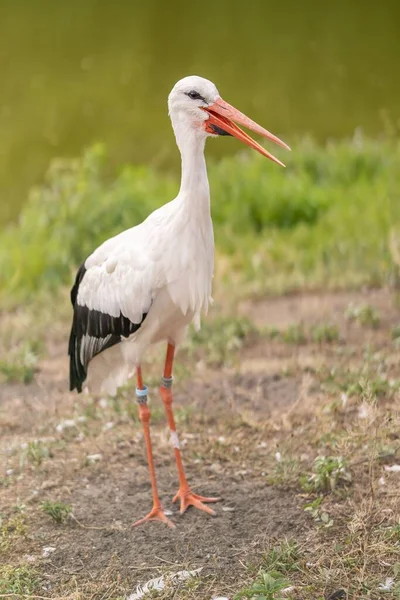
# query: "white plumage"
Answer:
x=157 y=275
x=148 y=283
x=162 y=267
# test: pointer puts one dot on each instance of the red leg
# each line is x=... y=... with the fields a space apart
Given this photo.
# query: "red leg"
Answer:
x=185 y=495
x=156 y=513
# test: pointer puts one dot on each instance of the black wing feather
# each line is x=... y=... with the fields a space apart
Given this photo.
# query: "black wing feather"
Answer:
x=104 y=331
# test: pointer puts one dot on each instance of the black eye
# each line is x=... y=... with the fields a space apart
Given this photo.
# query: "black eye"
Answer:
x=195 y=95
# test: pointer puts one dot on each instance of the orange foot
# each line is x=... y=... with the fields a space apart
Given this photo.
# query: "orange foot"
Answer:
x=188 y=498
x=156 y=514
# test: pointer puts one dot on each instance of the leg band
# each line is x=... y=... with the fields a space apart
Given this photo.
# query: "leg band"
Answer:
x=141 y=395
x=166 y=382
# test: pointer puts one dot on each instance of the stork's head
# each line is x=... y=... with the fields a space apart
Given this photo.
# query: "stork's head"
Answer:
x=195 y=104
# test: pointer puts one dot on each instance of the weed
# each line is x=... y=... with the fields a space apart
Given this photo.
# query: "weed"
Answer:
x=267 y=586
x=11 y=530
x=357 y=382
x=34 y=452
x=328 y=473
x=18 y=581
x=394 y=247
x=220 y=338
x=320 y=516
x=363 y=314
x=396 y=335
x=294 y=334
x=283 y=558
x=58 y=511
x=392 y=532
x=324 y=333
x=371 y=388
x=271 y=332
x=298 y=334
x=20 y=366
x=286 y=471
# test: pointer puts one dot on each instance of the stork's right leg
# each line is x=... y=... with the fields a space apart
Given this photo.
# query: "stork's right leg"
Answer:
x=185 y=495
x=156 y=513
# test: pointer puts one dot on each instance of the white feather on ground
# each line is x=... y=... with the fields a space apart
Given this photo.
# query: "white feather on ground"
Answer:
x=159 y=583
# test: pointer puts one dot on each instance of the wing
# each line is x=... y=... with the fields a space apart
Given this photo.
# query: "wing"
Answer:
x=111 y=299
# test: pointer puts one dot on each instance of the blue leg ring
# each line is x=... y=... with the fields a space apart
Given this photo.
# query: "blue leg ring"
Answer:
x=141 y=395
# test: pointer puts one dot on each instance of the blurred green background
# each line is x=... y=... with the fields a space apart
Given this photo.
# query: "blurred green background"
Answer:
x=76 y=71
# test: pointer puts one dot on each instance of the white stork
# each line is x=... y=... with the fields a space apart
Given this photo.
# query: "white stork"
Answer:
x=148 y=283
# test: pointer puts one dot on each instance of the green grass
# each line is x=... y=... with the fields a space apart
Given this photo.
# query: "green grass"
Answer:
x=18 y=582
x=303 y=226
x=364 y=314
x=284 y=558
x=396 y=335
x=272 y=578
x=294 y=334
x=320 y=516
x=220 y=339
x=267 y=586
x=58 y=511
x=298 y=333
x=34 y=452
x=20 y=364
x=325 y=332
x=10 y=530
x=328 y=473
x=356 y=382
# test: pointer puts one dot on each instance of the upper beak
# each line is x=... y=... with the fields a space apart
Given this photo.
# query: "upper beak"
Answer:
x=223 y=115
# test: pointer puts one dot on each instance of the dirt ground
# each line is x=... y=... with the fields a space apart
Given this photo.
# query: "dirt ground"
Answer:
x=235 y=425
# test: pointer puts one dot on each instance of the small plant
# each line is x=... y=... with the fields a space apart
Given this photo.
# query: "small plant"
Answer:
x=271 y=333
x=221 y=338
x=396 y=335
x=320 y=516
x=21 y=365
x=392 y=532
x=34 y=452
x=58 y=511
x=286 y=471
x=354 y=383
x=294 y=334
x=18 y=581
x=10 y=530
x=328 y=473
x=324 y=333
x=364 y=314
x=267 y=586
x=373 y=388
x=283 y=558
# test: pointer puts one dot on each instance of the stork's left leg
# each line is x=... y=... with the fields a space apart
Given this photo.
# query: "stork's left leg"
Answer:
x=185 y=494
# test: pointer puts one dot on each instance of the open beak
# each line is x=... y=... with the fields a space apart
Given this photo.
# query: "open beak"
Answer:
x=223 y=116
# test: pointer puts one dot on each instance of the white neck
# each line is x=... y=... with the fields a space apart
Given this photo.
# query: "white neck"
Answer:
x=194 y=190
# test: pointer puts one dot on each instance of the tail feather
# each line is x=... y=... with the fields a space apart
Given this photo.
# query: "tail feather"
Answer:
x=77 y=371
x=108 y=371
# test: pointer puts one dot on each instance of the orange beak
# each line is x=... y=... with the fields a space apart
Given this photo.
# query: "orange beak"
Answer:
x=222 y=116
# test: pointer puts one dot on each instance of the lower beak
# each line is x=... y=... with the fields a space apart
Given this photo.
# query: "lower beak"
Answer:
x=224 y=116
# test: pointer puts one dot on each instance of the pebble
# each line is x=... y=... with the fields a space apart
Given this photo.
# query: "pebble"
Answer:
x=393 y=468
x=92 y=458
x=47 y=550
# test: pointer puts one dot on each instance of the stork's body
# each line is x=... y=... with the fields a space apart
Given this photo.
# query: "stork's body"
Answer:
x=148 y=283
